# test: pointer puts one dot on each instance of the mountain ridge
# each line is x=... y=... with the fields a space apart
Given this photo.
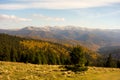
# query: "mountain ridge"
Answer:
x=92 y=38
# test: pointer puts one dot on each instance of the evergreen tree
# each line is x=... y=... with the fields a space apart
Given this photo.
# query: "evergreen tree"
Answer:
x=118 y=64
x=37 y=59
x=78 y=56
x=110 y=62
x=13 y=55
x=5 y=55
x=51 y=56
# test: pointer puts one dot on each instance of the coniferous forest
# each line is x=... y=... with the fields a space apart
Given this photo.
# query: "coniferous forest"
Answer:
x=17 y=49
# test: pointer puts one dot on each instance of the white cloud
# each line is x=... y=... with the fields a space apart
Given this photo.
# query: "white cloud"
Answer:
x=4 y=17
x=56 y=4
x=44 y=17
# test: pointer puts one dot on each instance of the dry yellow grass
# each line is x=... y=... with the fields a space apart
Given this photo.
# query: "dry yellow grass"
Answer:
x=21 y=71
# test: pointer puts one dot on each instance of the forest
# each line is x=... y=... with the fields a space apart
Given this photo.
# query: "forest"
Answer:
x=17 y=49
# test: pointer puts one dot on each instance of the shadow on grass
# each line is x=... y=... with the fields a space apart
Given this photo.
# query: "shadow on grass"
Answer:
x=76 y=68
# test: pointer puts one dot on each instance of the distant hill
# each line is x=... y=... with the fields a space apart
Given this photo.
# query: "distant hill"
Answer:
x=91 y=38
x=113 y=50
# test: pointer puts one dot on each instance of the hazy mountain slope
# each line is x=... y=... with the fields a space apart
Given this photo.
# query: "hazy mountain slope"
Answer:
x=92 y=38
x=114 y=50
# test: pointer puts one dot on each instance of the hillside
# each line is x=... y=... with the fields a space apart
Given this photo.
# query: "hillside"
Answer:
x=18 y=49
x=28 y=50
x=72 y=35
x=21 y=71
x=114 y=50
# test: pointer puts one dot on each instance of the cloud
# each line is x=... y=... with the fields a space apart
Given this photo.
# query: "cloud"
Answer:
x=56 y=4
x=40 y=16
x=4 y=17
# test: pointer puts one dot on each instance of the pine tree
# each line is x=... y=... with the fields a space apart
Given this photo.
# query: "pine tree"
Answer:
x=5 y=55
x=37 y=59
x=110 y=62
x=118 y=64
x=78 y=56
x=43 y=57
x=51 y=56
x=13 y=55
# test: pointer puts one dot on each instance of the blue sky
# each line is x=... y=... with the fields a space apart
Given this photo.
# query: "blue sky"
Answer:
x=16 y=14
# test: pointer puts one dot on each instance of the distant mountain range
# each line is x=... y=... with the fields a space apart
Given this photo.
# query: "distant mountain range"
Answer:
x=73 y=35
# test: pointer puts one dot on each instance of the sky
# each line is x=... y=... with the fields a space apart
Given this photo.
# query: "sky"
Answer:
x=103 y=14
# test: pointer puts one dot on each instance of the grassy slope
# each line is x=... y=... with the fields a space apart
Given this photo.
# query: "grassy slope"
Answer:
x=21 y=71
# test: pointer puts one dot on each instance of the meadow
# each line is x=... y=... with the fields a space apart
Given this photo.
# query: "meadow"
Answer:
x=27 y=71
